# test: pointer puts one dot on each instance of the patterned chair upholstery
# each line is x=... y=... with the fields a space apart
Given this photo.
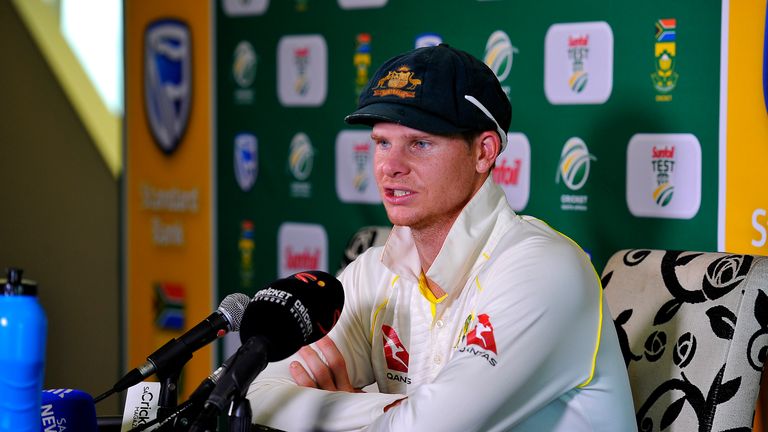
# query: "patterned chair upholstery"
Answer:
x=693 y=329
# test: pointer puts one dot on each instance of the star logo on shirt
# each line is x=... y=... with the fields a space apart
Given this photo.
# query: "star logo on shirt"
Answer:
x=482 y=334
x=394 y=351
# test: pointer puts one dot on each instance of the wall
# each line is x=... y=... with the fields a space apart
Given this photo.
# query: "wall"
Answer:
x=59 y=217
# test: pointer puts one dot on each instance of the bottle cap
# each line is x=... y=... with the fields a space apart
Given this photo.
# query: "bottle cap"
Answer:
x=14 y=285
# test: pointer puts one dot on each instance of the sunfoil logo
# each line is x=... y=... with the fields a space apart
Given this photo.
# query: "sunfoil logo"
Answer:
x=663 y=164
x=663 y=175
x=574 y=166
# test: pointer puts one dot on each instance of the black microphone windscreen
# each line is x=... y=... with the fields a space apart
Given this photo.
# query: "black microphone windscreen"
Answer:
x=293 y=312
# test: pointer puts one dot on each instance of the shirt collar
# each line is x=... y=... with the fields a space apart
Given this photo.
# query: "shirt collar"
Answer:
x=463 y=245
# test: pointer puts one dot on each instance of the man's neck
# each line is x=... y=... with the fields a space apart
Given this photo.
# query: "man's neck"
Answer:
x=428 y=242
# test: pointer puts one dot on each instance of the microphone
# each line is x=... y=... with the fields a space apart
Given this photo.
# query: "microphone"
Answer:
x=177 y=351
x=281 y=318
x=292 y=312
x=67 y=409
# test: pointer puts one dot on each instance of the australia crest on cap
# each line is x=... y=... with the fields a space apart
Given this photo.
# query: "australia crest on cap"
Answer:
x=400 y=82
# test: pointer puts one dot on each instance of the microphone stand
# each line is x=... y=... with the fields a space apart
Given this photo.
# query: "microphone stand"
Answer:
x=169 y=387
x=240 y=414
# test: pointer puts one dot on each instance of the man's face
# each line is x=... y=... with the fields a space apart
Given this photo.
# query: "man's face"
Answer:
x=424 y=180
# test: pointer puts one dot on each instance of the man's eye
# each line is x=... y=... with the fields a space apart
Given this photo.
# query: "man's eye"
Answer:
x=422 y=144
x=382 y=144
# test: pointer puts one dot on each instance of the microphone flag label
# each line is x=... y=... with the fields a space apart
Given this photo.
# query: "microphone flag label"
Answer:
x=141 y=403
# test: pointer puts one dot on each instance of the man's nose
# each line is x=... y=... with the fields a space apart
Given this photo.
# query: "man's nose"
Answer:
x=394 y=162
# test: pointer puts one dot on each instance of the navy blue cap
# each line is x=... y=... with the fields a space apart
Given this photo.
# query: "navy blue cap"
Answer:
x=437 y=89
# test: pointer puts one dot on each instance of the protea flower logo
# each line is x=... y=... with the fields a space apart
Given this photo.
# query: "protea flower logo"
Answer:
x=301 y=156
x=499 y=54
x=574 y=164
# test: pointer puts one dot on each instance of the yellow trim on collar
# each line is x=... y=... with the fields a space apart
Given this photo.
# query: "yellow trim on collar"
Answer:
x=427 y=293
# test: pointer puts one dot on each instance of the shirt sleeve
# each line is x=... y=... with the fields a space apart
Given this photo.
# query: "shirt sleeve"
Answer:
x=276 y=401
x=543 y=322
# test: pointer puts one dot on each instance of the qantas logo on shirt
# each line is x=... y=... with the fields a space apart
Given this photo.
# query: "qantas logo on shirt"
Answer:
x=394 y=351
x=482 y=334
x=479 y=341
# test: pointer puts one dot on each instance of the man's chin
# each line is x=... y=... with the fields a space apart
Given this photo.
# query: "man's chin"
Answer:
x=398 y=218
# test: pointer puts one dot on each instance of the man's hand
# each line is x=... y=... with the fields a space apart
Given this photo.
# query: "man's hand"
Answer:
x=329 y=375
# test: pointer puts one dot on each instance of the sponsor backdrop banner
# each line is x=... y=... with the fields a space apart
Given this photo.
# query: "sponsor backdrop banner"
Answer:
x=614 y=138
x=618 y=134
x=167 y=189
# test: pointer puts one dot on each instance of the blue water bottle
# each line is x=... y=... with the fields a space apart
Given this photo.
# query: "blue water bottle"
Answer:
x=22 y=353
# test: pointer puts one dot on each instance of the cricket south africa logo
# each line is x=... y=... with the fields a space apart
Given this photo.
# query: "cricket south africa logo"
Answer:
x=573 y=170
x=665 y=50
x=300 y=161
x=167 y=81
x=499 y=54
x=575 y=162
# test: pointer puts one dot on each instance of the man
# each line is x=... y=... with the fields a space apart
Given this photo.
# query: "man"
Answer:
x=470 y=318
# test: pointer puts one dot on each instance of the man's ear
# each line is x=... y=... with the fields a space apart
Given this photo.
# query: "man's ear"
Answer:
x=489 y=146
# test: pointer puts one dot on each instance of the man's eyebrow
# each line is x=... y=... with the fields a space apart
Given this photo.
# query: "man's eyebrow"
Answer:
x=409 y=137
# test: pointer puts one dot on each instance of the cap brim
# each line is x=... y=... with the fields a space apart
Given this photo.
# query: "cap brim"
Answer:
x=405 y=115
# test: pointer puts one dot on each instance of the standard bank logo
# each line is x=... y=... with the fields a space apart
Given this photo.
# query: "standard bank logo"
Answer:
x=513 y=170
x=301 y=247
x=301 y=158
x=167 y=81
x=578 y=63
x=302 y=70
x=499 y=54
x=245 y=7
x=355 y=182
x=246 y=160
x=664 y=175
